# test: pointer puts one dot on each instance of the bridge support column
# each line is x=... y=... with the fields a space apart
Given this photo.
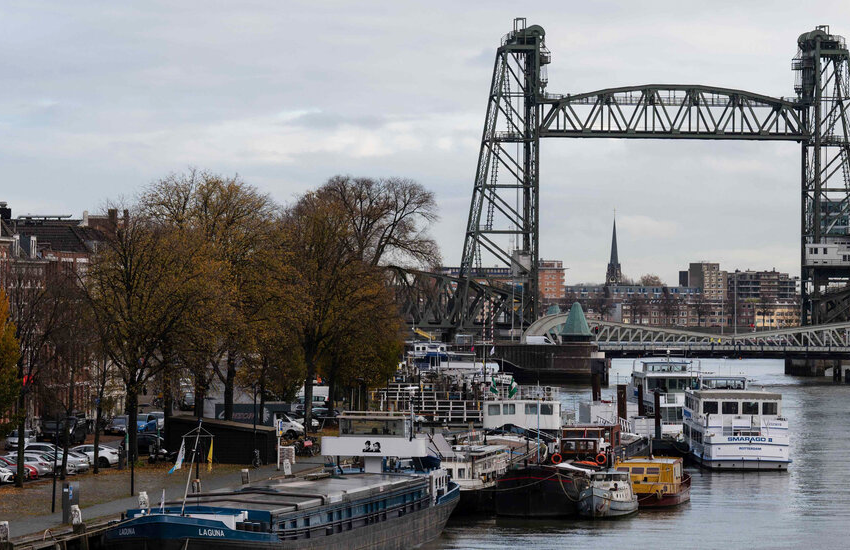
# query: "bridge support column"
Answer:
x=811 y=367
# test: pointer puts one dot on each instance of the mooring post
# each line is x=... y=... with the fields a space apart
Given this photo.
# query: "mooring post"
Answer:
x=622 y=410
x=657 y=414
x=641 y=405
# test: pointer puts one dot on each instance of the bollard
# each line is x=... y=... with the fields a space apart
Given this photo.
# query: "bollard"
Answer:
x=196 y=486
x=144 y=501
x=4 y=532
x=246 y=478
x=70 y=497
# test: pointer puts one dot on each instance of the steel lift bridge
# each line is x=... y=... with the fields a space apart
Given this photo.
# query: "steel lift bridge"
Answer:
x=503 y=225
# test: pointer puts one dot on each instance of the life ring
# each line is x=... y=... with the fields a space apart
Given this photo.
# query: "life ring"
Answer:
x=601 y=459
x=556 y=458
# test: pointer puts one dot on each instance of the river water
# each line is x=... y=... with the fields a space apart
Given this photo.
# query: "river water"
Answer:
x=806 y=507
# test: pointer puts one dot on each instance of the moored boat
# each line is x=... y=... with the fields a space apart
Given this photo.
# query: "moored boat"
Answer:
x=658 y=481
x=539 y=491
x=608 y=494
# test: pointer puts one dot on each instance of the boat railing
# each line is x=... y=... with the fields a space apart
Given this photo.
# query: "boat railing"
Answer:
x=346 y=524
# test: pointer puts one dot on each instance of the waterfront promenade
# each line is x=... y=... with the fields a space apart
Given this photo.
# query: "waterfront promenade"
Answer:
x=104 y=495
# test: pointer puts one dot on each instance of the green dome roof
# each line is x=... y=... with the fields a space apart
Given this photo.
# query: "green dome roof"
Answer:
x=553 y=310
x=576 y=324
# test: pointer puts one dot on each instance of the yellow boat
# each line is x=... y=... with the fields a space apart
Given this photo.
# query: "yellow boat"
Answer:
x=658 y=481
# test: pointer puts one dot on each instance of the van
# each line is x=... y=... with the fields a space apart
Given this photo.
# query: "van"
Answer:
x=287 y=426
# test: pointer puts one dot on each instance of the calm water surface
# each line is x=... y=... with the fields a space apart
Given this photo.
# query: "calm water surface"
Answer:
x=806 y=507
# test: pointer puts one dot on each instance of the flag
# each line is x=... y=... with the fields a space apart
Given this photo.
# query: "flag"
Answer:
x=493 y=387
x=162 y=502
x=493 y=350
x=209 y=457
x=180 y=456
x=513 y=388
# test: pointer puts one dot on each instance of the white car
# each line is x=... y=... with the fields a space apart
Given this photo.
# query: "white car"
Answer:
x=6 y=476
x=12 y=440
x=289 y=427
x=107 y=456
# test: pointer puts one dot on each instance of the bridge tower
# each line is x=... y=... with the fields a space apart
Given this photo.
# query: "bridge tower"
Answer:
x=504 y=213
x=823 y=95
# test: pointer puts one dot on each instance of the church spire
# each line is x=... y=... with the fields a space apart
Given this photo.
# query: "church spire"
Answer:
x=614 y=276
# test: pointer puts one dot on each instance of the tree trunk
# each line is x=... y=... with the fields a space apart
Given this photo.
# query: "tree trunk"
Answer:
x=229 y=383
x=308 y=393
x=132 y=430
x=19 y=477
x=101 y=389
x=263 y=386
x=65 y=435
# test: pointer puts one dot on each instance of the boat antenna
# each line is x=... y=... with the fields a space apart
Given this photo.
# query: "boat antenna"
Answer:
x=189 y=478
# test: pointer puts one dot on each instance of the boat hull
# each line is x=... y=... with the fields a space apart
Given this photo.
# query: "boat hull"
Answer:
x=476 y=501
x=536 y=492
x=152 y=532
x=652 y=500
x=595 y=503
x=741 y=465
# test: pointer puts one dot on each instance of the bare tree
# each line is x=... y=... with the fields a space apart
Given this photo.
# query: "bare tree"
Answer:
x=388 y=218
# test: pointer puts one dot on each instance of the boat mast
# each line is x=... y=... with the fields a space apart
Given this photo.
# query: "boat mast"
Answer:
x=189 y=478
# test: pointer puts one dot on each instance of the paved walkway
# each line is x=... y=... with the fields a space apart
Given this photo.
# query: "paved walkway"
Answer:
x=27 y=509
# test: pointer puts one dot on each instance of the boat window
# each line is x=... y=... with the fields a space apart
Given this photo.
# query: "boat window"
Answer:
x=637 y=470
x=653 y=471
x=749 y=407
x=730 y=407
x=461 y=473
x=769 y=408
x=531 y=408
x=493 y=410
x=547 y=409
x=568 y=445
x=709 y=407
x=509 y=409
x=623 y=469
x=621 y=477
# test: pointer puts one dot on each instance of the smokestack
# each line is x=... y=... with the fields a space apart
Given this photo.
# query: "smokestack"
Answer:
x=5 y=212
x=113 y=217
x=622 y=410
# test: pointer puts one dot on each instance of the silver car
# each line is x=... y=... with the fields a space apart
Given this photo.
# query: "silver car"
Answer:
x=39 y=462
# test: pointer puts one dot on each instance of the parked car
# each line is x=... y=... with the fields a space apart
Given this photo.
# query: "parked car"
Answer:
x=78 y=461
x=117 y=426
x=12 y=440
x=6 y=476
x=143 y=422
x=299 y=416
x=160 y=419
x=11 y=464
x=290 y=427
x=53 y=430
x=107 y=456
x=39 y=462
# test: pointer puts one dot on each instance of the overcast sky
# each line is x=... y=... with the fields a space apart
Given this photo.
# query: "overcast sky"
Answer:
x=100 y=98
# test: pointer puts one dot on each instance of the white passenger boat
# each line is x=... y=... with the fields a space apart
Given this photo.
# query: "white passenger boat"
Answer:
x=729 y=426
x=670 y=378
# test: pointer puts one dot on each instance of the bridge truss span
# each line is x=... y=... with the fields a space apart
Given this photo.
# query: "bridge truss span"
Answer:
x=832 y=340
x=672 y=111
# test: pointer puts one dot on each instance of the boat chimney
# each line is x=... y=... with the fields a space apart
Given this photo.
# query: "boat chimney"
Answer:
x=596 y=387
x=641 y=405
x=657 y=395
x=622 y=411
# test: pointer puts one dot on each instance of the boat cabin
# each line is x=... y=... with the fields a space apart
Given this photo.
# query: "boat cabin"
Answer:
x=731 y=413
x=649 y=474
x=585 y=441
x=525 y=413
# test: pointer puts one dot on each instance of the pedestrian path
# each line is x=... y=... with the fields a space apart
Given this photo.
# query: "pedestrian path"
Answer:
x=174 y=486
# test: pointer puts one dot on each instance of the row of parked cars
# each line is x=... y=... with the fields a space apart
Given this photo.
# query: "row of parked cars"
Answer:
x=145 y=423
x=42 y=459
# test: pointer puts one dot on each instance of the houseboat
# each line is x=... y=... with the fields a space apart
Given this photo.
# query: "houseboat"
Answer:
x=658 y=482
x=370 y=508
x=729 y=426
x=479 y=460
x=669 y=378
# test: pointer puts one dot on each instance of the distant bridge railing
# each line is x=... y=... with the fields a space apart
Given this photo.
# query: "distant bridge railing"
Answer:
x=626 y=337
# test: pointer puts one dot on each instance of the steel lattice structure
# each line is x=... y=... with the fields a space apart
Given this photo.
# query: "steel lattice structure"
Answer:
x=821 y=340
x=504 y=213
